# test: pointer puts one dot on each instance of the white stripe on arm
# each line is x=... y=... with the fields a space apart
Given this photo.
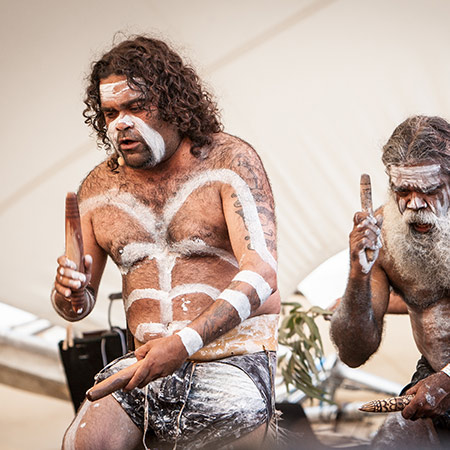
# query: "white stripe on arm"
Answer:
x=192 y=341
x=238 y=300
x=258 y=283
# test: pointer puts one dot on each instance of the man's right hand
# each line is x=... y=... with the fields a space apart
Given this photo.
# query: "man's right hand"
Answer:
x=68 y=279
x=364 y=236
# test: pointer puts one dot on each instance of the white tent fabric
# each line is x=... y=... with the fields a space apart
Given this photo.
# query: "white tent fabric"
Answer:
x=317 y=86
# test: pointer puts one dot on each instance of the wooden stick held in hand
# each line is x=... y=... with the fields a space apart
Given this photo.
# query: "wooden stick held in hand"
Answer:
x=392 y=404
x=74 y=245
x=117 y=381
x=365 y=191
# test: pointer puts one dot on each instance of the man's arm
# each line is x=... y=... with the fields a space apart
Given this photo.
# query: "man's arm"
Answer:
x=357 y=324
x=70 y=279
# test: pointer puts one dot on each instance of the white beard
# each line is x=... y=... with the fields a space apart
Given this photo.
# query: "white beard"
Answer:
x=421 y=259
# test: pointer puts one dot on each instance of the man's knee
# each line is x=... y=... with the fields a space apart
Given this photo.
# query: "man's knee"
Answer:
x=399 y=433
x=102 y=425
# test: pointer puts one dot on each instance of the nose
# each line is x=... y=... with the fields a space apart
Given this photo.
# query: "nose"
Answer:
x=416 y=202
x=124 y=122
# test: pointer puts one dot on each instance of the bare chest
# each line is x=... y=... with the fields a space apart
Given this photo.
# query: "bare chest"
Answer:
x=431 y=330
x=180 y=213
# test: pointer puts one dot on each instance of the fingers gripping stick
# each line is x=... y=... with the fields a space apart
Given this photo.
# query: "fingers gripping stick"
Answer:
x=365 y=190
x=74 y=245
x=392 y=404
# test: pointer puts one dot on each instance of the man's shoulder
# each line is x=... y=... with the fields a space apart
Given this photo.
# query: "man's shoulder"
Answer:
x=230 y=151
x=100 y=178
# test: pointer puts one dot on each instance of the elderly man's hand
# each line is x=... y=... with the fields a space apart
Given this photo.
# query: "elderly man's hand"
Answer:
x=432 y=397
x=364 y=236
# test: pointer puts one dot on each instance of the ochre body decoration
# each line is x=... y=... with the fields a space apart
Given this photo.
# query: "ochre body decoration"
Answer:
x=392 y=404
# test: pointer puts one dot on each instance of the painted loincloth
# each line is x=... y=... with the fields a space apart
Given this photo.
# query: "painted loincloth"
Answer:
x=202 y=402
x=424 y=370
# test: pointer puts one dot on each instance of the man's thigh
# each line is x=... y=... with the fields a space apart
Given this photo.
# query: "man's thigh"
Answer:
x=224 y=404
x=102 y=424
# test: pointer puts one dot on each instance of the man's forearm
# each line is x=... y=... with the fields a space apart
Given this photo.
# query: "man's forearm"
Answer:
x=64 y=307
x=246 y=293
x=353 y=326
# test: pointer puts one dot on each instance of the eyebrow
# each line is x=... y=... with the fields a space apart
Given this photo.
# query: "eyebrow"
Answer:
x=123 y=105
x=424 y=189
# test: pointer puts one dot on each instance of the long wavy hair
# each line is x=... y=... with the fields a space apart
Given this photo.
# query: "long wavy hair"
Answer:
x=165 y=81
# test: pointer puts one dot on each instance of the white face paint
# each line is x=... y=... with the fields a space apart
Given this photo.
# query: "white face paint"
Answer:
x=129 y=125
x=413 y=185
x=419 y=176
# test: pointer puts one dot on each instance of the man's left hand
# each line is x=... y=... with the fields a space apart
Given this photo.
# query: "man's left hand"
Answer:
x=431 y=397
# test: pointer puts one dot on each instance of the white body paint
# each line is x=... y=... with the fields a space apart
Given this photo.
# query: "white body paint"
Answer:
x=69 y=438
x=113 y=92
x=239 y=301
x=166 y=254
x=258 y=283
x=192 y=341
x=446 y=369
x=165 y=298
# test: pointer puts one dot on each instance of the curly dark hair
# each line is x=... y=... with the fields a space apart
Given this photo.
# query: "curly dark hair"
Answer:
x=419 y=139
x=165 y=81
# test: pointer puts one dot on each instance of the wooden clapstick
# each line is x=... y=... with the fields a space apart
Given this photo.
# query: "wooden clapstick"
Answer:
x=117 y=381
x=392 y=404
x=74 y=245
x=365 y=190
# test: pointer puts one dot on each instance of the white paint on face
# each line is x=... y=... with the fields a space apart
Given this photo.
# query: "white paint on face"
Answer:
x=151 y=137
x=83 y=425
x=192 y=341
x=415 y=176
x=423 y=179
x=113 y=91
x=239 y=301
x=254 y=279
x=117 y=93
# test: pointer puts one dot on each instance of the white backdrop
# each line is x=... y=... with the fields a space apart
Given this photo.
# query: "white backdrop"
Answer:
x=316 y=86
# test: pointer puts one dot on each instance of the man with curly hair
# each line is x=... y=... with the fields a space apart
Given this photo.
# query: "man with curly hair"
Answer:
x=410 y=241
x=186 y=212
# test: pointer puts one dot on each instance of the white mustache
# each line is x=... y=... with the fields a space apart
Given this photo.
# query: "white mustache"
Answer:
x=421 y=217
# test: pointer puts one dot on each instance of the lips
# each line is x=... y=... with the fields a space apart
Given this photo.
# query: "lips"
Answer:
x=128 y=144
x=422 y=227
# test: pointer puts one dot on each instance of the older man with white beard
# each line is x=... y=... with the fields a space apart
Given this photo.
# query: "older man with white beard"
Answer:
x=409 y=255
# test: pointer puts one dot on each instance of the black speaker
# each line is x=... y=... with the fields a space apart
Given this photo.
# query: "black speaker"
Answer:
x=87 y=357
